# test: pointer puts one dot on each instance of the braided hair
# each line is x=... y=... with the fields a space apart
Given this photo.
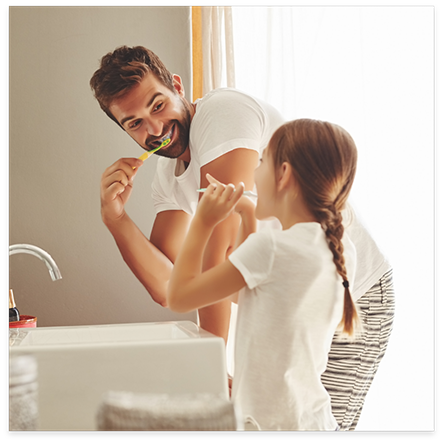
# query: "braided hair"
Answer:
x=323 y=157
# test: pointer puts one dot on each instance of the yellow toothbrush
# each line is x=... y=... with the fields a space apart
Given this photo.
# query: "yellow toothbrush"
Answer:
x=147 y=154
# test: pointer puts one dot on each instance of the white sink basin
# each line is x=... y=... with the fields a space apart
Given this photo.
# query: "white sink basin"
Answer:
x=78 y=364
x=92 y=335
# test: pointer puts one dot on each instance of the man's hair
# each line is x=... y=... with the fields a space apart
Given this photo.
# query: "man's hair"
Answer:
x=121 y=70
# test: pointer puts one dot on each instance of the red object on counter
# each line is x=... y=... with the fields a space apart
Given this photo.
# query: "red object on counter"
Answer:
x=26 y=321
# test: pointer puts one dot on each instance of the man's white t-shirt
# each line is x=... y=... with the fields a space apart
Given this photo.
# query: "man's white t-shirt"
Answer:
x=226 y=119
x=287 y=316
x=371 y=263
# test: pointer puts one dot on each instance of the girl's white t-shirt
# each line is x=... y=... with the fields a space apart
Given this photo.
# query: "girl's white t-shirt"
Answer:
x=287 y=316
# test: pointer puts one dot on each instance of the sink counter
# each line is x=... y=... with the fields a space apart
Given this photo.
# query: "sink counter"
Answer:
x=100 y=334
x=77 y=365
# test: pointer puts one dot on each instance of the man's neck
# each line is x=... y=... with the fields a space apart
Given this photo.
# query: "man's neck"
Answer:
x=186 y=156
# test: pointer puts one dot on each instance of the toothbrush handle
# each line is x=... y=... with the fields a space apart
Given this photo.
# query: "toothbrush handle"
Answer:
x=247 y=193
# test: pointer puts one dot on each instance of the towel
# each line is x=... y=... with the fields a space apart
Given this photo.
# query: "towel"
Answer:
x=127 y=411
x=23 y=393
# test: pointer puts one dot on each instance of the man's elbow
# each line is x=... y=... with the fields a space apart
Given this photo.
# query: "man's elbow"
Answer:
x=158 y=293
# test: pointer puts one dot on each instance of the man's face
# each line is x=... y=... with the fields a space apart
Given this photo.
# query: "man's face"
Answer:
x=150 y=112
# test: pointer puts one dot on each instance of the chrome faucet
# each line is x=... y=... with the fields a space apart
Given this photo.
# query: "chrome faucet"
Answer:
x=41 y=254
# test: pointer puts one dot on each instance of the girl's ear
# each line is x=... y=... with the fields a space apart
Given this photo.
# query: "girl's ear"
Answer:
x=285 y=178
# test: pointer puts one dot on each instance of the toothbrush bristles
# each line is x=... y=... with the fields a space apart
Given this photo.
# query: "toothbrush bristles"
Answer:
x=164 y=143
x=147 y=154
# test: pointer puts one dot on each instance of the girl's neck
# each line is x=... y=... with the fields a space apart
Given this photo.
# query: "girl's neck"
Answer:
x=288 y=222
x=293 y=211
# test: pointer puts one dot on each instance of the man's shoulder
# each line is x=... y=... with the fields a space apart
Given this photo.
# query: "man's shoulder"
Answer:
x=225 y=95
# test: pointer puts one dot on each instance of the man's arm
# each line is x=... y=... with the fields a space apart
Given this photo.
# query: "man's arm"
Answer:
x=147 y=262
x=234 y=167
x=150 y=261
x=169 y=231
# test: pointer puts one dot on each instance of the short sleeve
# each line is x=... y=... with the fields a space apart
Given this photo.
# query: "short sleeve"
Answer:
x=254 y=258
x=227 y=120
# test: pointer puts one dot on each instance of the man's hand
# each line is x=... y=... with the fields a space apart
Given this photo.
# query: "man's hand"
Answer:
x=116 y=187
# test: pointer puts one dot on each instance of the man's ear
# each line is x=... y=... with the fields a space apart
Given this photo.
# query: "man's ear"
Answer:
x=178 y=85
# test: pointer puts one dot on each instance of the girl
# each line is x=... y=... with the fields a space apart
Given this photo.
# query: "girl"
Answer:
x=296 y=280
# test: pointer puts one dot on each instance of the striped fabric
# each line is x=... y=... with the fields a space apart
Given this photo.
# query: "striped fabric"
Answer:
x=353 y=365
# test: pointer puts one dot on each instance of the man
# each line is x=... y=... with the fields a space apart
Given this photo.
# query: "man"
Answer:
x=222 y=134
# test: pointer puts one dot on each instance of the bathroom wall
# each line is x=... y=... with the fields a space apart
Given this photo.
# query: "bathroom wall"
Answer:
x=60 y=142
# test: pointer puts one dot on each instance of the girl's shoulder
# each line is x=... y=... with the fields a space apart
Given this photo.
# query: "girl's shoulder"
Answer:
x=264 y=236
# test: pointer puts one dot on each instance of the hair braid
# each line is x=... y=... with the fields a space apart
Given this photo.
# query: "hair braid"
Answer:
x=334 y=230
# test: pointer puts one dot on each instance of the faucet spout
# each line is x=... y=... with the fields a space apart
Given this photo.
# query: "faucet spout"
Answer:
x=41 y=254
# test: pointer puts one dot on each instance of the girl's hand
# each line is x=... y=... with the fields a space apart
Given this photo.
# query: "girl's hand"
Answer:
x=245 y=205
x=218 y=201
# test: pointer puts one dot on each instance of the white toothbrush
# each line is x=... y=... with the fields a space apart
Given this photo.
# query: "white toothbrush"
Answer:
x=247 y=193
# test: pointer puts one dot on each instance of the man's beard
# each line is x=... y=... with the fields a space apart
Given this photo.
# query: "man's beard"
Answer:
x=181 y=130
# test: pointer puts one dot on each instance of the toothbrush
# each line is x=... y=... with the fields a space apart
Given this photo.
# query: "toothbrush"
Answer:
x=247 y=193
x=147 y=154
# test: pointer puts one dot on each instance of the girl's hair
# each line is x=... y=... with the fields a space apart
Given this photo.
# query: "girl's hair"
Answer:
x=121 y=70
x=323 y=157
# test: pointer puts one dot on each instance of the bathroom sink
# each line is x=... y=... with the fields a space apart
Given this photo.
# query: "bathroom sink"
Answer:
x=77 y=365
x=92 y=335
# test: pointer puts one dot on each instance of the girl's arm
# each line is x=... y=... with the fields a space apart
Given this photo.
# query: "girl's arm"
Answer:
x=246 y=208
x=189 y=288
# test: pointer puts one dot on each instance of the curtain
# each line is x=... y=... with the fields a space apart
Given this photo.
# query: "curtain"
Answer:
x=312 y=61
x=213 y=49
